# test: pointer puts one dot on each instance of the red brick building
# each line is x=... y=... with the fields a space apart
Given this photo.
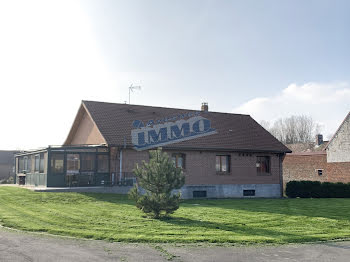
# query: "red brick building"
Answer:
x=329 y=162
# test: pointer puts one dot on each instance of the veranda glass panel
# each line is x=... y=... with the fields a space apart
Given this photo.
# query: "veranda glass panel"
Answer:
x=88 y=162
x=36 y=163
x=42 y=163
x=73 y=163
x=57 y=161
x=28 y=164
x=103 y=164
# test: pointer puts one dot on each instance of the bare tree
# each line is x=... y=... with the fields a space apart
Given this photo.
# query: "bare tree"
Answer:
x=305 y=127
x=265 y=124
x=291 y=132
x=293 y=129
x=278 y=130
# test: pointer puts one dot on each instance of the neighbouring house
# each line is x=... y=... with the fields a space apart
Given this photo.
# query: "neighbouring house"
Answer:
x=7 y=160
x=221 y=154
x=322 y=161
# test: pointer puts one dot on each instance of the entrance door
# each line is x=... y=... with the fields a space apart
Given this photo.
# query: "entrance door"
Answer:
x=73 y=169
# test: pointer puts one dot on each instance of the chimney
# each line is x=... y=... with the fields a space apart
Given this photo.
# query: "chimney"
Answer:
x=204 y=107
x=319 y=139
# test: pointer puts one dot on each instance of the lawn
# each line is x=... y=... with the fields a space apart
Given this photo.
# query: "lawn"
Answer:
x=115 y=218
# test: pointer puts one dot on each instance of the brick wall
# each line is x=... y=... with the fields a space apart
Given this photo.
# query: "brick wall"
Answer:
x=303 y=167
x=339 y=172
x=200 y=167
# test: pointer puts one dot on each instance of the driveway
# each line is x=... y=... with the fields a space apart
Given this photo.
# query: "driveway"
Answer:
x=20 y=246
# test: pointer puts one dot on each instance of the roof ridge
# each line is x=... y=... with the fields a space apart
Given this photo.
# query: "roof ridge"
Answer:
x=164 y=107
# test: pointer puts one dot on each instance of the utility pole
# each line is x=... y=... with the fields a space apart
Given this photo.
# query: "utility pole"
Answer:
x=132 y=88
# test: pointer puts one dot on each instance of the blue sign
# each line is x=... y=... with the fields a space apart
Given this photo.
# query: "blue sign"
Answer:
x=149 y=136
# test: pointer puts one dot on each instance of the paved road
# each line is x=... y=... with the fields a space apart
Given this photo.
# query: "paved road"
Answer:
x=19 y=246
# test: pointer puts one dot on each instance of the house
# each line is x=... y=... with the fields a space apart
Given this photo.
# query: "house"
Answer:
x=7 y=161
x=325 y=162
x=221 y=154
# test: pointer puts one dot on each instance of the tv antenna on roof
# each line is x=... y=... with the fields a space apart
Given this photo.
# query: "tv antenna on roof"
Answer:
x=132 y=88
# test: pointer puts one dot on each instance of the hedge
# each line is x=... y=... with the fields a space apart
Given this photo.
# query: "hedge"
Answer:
x=316 y=189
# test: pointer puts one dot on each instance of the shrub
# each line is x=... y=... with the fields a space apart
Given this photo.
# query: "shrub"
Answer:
x=316 y=189
x=158 y=178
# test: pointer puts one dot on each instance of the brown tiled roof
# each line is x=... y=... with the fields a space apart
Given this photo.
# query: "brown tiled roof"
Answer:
x=234 y=131
x=308 y=153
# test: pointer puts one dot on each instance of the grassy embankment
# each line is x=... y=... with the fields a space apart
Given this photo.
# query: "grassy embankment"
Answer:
x=115 y=218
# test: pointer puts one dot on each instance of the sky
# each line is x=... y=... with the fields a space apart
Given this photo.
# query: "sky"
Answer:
x=269 y=59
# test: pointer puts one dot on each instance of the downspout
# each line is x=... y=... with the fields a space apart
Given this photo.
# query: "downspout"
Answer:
x=15 y=166
x=121 y=164
x=116 y=168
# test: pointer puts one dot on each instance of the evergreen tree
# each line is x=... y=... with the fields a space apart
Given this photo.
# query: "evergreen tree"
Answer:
x=158 y=178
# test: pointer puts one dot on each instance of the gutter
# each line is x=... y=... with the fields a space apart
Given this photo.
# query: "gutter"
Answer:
x=212 y=149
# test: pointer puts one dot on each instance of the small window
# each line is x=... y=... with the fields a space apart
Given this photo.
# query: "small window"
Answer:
x=57 y=161
x=249 y=192
x=319 y=172
x=263 y=164
x=179 y=160
x=102 y=163
x=223 y=163
x=199 y=193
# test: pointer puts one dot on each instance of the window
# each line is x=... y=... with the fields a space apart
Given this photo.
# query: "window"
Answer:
x=199 y=194
x=102 y=163
x=249 y=192
x=88 y=162
x=319 y=172
x=263 y=164
x=57 y=161
x=223 y=163
x=179 y=160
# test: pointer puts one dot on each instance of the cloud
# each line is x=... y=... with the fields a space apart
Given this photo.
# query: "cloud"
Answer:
x=326 y=103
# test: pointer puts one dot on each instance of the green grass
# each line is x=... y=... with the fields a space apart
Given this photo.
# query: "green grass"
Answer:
x=115 y=218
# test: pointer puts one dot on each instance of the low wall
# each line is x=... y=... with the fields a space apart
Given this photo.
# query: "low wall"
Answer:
x=211 y=191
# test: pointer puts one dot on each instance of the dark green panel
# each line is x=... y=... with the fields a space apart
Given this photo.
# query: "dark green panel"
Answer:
x=55 y=180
